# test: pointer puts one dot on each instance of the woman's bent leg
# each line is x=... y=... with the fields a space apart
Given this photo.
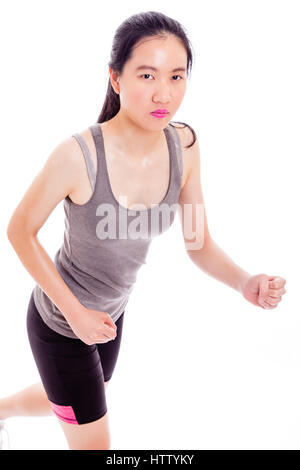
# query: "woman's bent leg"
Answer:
x=32 y=401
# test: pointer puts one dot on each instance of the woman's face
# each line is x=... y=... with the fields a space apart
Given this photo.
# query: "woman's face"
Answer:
x=143 y=90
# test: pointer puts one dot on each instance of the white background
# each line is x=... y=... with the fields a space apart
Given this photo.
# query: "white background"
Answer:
x=199 y=366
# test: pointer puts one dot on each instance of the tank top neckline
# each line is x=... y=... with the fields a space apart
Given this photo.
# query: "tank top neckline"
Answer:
x=101 y=155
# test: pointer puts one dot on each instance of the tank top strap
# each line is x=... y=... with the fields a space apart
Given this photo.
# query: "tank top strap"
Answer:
x=88 y=159
x=178 y=150
x=103 y=183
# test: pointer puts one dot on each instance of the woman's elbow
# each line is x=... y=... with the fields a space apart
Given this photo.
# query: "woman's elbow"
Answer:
x=17 y=230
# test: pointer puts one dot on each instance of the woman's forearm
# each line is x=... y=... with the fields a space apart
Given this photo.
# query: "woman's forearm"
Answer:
x=215 y=262
x=40 y=266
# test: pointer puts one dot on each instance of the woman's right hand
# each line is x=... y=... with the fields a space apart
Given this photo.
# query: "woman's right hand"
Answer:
x=92 y=326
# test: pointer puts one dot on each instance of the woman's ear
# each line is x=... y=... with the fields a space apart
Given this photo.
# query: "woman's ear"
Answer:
x=114 y=80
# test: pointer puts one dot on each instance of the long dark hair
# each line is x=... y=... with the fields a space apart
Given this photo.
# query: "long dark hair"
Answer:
x=134 y=28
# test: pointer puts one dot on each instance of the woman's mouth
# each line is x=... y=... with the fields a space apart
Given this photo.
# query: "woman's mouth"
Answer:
x=160 y=113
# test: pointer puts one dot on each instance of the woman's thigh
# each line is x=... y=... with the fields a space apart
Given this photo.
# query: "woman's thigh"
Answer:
x=71 y=371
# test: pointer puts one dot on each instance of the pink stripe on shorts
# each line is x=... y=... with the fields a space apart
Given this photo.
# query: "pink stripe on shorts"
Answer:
x=65 y=413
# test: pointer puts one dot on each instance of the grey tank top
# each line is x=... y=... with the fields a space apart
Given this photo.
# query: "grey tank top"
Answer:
x=105 y=243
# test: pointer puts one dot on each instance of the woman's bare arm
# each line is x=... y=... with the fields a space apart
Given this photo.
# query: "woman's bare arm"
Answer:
x=57 y=179
x=201 y=248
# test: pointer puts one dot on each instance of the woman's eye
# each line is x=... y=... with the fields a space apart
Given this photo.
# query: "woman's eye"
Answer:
x=148 y=74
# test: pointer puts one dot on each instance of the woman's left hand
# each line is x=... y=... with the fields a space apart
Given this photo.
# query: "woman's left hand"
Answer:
x=263 y=290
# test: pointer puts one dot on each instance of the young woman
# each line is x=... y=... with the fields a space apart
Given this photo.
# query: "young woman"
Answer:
x=121 y=180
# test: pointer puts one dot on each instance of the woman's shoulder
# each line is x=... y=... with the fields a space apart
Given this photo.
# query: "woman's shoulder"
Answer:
x=75 y=149
x=186 y=134
x=187 y=137
x=67 y=159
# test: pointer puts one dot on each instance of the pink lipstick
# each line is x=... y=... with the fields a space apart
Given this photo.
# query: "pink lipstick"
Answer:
x=160 y=113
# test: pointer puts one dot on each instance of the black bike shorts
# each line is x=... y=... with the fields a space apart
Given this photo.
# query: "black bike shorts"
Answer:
x=72 y=372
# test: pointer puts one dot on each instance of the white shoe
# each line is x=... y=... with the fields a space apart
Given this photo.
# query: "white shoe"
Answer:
x=3 y=430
